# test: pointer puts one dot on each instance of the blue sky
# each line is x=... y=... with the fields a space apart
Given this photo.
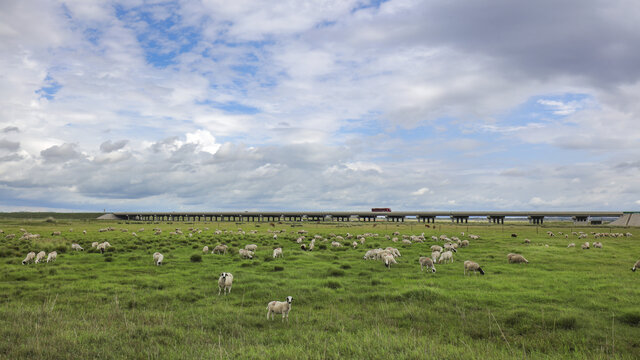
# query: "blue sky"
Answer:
x=215 y=105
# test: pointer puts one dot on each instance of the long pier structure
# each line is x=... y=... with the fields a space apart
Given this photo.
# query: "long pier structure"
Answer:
x=496 y=217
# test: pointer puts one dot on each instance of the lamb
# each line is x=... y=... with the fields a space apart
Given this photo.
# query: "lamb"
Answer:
x=246 y=254
x=388 y=260
x=426 y=262
x=52 y=256
x=224 y=283
x=277 y=252
x=158 y=258
x=205 y=249
x=76 y=247
x=279 y=307
x=635 y=266
x=31 y=256
x=571 y=245
x=597 y=244
x=251 y=247
x=585 y=246
x=470 y=265
x=516 y=259
x=447 y=255
x=436 y=248
x=40 y=256
x=220 y=249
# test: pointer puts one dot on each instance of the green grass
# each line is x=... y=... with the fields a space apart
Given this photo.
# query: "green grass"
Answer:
x=566 y=303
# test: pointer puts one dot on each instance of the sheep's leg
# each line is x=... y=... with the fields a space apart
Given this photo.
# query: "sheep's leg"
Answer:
x=219 y=289
x=268 y=313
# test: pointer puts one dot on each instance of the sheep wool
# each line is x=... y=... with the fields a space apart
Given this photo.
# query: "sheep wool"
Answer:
x=279 y=307
x=52 y=256
x=470 y=265
x=426 y=262
x=158 y=258
x=224 y=283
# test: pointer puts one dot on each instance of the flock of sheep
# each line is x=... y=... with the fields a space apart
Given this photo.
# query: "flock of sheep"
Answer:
x=440 y=254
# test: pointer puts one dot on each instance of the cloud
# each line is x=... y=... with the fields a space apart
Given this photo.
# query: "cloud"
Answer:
x=9 y=129
x=108 y=146
x=421 y=191
x=9 y=145
x=61 y=153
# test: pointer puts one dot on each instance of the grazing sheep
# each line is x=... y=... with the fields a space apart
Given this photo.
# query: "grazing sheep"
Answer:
x=597 y=244
x=388 y=260
x=585 y=246
x=205 y=249
x=635 y=266
x=436 y=248
x=395 y=252
x=336 y=244
x=220 y=249
x=464 y=243
x=447 y=255
x=10 y=236
x=158 y=258
x=435 y=255
x=279 y=307
x=277 y=252
x=406 y=242
x=303 y=247
x=56 y=233
x=470 y=265
x=571 y=245
x=517 y=259
x=102 y=247
x=450 y=247
x=95 y=244
x=76 y=247
x=355 y=244
x=514 y=235
x=52 y=256
x=31 y=256
x=527 y=241
x=251 y=247
x=474 y=237
x=224 y=283
x=41 y=255
x=426 y=262
x=312 y=245
x=246 y=254
x=362 y=240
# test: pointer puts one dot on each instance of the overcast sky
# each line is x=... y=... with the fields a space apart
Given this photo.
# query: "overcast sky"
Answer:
x=319 y=105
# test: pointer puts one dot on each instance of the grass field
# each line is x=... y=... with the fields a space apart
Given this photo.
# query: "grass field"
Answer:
x=567 y=303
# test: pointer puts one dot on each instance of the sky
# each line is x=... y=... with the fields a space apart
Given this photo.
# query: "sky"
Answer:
x=212 y=105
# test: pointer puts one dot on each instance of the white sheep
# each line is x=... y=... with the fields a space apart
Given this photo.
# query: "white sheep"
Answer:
x=246 y=254
x=406 y=242
x=205 y=249
x=279 y=307
x=224 y=283
x=435 y=255
x=597 y=244
x=447 y=255
x=76 y=247
x=450 y=247
x=388 y=260
x=585 y=246
x=426 y=262
x=95 y=244
x=571 y=245
x=516 y=259
x=635 y=266
x=41 y=255
x=52 y=256
x=312 y=245
x=220 y=249
x=395 y=252
x=464 y=243
x=102 y=247
x=436 y=248
x=277 y=252
x=470 y=265
x=251 y=247
x=355 y=244
x=31 y=256
x=158 y=258
x=336 y=244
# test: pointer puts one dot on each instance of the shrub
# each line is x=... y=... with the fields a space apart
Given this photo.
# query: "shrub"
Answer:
x=278 y=268
x=632 y=319
x=196 y=258
x=345 y=266
x=336 y=272
x=108 y=258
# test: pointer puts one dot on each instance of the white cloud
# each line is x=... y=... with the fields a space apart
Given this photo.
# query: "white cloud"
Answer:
x=421 y=191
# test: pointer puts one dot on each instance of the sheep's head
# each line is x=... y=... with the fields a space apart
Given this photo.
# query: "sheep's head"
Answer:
x=433 y=269
x=289 y=299
x=481 y=271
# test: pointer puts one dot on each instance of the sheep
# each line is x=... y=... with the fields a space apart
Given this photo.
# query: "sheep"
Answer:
x=311 y=246
x=205 y=249
x=220 y=249
x=336 y=244
x=246 y=254
x=52 y=256
x=10 y=236
x=355 y=244
x=470 y=265
x=76 y=247
x=224 y=283
x=56 y=233
x=277 y=252
x=597 y=244
x=395 y=252
x=426 y=262
x=31 y=256
x=102 y=247
x=635 y=266
x=447 y=255
x=435 y=255
x=251 y=247
x=279 y=307
x=406 y=242
x=517 y=259
x=95 y=244
x=514 y=235
x=571 y=245
x=388 y=260
x=436 y=248
x=362 y=240
x=464 y=243
x=527 y=241
x=158 y=258
x=40 y=256
x=449 y=247
x=585 y=246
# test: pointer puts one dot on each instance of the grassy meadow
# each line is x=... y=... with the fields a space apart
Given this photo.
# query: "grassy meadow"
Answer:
x=567 y=303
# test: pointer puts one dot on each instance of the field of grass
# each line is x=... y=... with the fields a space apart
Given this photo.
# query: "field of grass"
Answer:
x=567 y=303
